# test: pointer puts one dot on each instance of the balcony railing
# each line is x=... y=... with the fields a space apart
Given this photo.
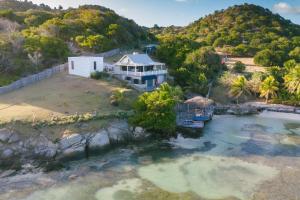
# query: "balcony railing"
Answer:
x=144 y=73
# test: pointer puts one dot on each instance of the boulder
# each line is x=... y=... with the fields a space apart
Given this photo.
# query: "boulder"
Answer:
x=14 y=138
x=4 y=135
x=139 y=132
x=99 y=140
x=118 y=131
x=43 y=147
x=72 y=145
x=7 y=153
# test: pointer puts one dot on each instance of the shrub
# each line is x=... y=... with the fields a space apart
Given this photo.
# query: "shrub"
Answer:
x=155 y=111
x=117 y=97
x=99 y=75
x=239 y=67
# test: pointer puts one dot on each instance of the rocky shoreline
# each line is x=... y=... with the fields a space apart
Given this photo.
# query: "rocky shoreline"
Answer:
x=17 y=153
x=250 y=108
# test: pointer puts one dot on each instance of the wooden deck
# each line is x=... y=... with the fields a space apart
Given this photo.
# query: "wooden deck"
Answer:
x=189 y=116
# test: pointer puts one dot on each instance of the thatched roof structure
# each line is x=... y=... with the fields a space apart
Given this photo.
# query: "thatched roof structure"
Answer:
x=200 y=101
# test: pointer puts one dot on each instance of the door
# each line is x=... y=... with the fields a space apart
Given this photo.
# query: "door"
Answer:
x=150 y=83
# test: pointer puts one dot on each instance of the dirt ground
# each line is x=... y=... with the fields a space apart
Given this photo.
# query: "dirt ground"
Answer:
x=249 y=62
x=60 y=95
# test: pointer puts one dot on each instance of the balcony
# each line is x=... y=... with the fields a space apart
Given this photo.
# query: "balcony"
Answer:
x=157 y=72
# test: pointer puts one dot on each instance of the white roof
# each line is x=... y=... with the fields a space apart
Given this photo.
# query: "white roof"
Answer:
x=85 y=57
x=137 y=60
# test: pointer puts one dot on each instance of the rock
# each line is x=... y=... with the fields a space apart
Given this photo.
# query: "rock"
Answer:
x=7 y=153
x=13 y=138
x=39 y=146
x=72 y=144
x=45 y=148
x=99 y=140
x=139 y=132
x=73 y=177
x=4 y=135
x=243 y=110
x=7 y=173
x=118 y=131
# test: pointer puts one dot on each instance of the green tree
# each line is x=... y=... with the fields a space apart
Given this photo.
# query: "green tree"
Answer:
x=255 y=82
x=239 y=87
x=292 y=80
x=117 y=97
x=269 y=88
x=239 y=67
x=204 y=60
x=51 y=49
x=155 y=112
x=290 y=64
x=97 y=43
x=277 y=72
x=268 y=58
x=295 y=54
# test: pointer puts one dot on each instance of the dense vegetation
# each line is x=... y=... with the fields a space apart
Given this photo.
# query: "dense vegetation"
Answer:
x=243 y=30
x=192 y=65
x=248 y=30
x=278 y=84
x=34 y=37
x=155 y=112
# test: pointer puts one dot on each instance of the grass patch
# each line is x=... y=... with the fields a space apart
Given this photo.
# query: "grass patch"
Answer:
x=7 y=79
x=63 y=95
x=63 y=104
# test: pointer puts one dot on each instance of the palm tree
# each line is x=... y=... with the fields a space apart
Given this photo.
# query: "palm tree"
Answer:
x=239 y=87
x=292 y=80
x=175 y=92
x=268 y=88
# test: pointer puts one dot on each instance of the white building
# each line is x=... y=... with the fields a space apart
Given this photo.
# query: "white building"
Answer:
x=84 y=66
x=141 y=71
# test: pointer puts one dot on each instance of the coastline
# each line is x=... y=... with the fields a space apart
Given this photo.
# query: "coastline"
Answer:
x=25 y=154
x=254 y=108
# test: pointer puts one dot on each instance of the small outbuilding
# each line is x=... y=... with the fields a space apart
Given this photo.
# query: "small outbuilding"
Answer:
x=84 y=66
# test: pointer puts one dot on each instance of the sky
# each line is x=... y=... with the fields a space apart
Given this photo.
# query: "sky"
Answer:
x=178 y=12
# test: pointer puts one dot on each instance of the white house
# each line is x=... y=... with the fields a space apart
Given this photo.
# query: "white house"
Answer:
x=141 y=71
x=84 y=66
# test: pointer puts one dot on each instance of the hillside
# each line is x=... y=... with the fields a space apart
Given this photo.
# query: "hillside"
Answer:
x=21 y=5
x=34 y=37
x=245 y=30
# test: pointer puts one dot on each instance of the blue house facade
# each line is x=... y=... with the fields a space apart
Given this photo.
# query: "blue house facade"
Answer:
x=141 y=71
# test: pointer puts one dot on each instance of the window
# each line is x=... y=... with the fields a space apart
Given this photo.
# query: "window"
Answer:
x=124 y=68
x=149 y=68
x=140 y=69
x=72 y=65
x=95 y=65
x=131 y=69
x=136 y=81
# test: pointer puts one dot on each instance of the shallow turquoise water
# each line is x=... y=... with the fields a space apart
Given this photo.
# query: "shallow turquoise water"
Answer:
x=214 y=166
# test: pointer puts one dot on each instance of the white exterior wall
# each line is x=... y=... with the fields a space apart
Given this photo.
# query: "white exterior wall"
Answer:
x=84 y=66
x=160 y=79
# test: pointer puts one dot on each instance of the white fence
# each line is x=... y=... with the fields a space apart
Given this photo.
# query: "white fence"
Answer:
x=33 y=78
x=46 y=74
